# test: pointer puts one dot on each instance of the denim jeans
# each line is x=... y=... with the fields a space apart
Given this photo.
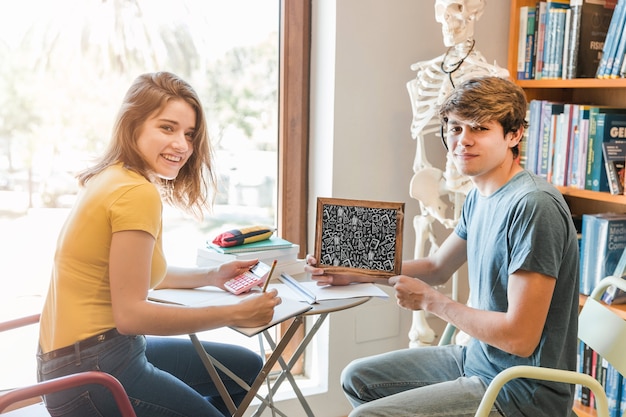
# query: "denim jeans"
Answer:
x=417 y=382
x=163 y=377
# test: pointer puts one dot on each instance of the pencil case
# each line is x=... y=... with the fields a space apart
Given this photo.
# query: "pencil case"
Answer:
x=243 y=235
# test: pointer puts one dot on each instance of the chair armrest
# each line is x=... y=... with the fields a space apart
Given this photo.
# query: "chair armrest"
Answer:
x=71 y=381
x=545 y=374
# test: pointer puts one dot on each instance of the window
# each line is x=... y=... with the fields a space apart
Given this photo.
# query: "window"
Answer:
x=63 y=77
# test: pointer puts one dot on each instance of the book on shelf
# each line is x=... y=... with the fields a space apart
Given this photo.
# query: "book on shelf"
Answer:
x=554 y=37
x=614 y=154
x=522 y=42
x=604 y=122
x=573 y=35
x=612 y=40
x=267 y=244
x=603 y=242
x=614 y=295
x=526 y=46
x=594 y=25
x=540 y=39
x=615 y=62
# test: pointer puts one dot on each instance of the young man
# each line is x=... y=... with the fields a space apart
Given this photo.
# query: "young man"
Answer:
x=518 y=239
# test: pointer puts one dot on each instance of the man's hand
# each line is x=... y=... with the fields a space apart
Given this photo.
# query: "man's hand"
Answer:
x=411 y=293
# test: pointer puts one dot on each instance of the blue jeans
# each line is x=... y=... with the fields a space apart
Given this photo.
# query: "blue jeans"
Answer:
x=163 y=377
x=417 y=382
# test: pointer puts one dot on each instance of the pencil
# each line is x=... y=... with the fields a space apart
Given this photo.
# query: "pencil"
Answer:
x=269 y=276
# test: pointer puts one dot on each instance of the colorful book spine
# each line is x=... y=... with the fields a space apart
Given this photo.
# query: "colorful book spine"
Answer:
x=611 y=40
x=618 y=56
x=613 y=389
x=603 y=241
x=573 y=38
x=573 y=147
x=541 y=38
x=530 y=44
x=614 y=154
x=521 y=41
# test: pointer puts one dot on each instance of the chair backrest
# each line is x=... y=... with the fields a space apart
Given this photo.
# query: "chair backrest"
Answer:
x=37 y=390
x=603 y=329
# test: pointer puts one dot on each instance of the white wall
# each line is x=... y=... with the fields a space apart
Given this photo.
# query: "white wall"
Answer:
x=361 y=146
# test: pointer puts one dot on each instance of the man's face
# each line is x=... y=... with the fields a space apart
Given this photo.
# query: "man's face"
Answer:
x=457 y=19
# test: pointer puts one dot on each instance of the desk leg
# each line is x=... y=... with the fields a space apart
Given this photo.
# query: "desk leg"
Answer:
x=286 y=373
x=210 y=367
x=269 y=364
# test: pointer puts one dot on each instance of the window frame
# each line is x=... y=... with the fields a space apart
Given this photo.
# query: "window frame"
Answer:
x=293 y=120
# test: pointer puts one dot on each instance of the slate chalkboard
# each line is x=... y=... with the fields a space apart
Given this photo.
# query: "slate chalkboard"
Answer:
x=359 y=235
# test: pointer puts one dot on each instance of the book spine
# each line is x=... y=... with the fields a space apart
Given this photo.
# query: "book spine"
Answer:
x=618 y=57
x=546 y=114
x=611 y=171
x=530 y=44
x=541 y=39
x=522 y=42
x=563 y=45
x=584 y=142
x=574 y=147
x=612 y=388
x=585 y=398
x=574 y=39
x=587 y=260
x=619 y=14
x=609 y=41
x=594 y=152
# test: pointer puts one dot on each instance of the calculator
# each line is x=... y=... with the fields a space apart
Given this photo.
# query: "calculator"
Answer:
x=253 y=277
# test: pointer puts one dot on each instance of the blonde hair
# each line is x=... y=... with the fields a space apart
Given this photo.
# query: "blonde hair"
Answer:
x=193 y=189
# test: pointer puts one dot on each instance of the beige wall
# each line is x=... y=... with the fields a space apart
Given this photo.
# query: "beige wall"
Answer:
x=361 y=145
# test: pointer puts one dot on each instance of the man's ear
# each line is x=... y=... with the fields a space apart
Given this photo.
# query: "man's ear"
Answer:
x=515 y=137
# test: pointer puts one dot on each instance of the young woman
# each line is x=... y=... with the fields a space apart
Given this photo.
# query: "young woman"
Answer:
x=109 y=254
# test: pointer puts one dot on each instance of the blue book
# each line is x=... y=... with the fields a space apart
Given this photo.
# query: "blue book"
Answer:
x=574 y=146
x=615 y=62
x=611 y=40
x=555 y=28
x=530 y=44
x=579 y=176
x=613 y=390
x=603 y=241
x=534 y=129
x=604 y=126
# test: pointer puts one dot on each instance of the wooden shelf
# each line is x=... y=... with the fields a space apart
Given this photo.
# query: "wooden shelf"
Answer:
x=619 y=309
x=583 y=410
x=575 y=83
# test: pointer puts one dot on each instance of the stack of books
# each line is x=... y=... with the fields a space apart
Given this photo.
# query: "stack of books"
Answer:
x=274 y=248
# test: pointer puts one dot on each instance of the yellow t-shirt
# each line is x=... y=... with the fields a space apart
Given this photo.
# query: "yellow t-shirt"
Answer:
x=78 y=304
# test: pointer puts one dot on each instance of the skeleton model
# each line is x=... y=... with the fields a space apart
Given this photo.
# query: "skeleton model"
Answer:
x=434 y=80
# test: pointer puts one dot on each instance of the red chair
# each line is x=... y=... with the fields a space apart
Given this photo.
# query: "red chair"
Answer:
x=17 y=395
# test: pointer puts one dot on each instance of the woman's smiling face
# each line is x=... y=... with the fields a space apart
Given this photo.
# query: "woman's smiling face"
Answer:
x=165 y=138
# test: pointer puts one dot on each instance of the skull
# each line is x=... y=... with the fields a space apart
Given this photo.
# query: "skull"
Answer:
x=457 y=18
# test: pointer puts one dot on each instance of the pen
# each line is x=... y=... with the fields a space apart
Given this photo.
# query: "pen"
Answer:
x=269 y=276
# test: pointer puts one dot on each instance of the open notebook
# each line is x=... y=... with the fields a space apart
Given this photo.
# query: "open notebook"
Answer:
x=214 y=296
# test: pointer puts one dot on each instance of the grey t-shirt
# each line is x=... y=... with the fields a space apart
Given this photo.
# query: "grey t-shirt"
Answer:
x=525 y=225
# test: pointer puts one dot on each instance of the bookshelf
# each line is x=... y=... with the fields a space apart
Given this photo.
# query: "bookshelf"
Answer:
x=610 y=92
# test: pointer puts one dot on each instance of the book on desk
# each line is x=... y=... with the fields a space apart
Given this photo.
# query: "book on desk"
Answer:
x=212 y=296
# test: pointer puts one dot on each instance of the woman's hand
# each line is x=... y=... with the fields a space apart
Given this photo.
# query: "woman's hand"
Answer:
x=229 y=270
x=256 y=309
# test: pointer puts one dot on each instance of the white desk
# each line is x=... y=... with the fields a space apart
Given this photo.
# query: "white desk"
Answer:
x=322 y=309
